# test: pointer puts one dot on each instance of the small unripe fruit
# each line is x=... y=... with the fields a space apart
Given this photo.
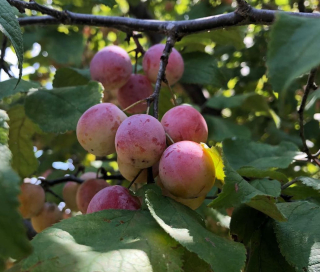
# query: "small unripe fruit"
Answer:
x=87 y=190
x=32 y=198
x=184 y=123
x=49 y=215
x=111 y=66
x=137 y=88
x=151 y=64
x=140 y=141
x=69 y=194
x=114 y=197
x=97 y=127
x=187 y=170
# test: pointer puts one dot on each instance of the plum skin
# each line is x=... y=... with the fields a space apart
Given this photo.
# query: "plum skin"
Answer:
x=69 y=194
x=49 y=215
x=87 y=190
x=111 y=66
x=184 y=123
x=140 y=141
x=113 y=197
x=151 y=64
x=137 y=88
x=97 y=127
x=186 y=170
x=192 y=203
x=129 y=172
x=32 y=198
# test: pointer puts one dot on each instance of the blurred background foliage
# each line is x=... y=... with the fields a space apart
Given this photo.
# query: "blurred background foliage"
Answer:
x=225 y=78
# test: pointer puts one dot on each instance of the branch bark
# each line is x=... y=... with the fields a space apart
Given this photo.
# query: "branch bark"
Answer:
x=244 y=15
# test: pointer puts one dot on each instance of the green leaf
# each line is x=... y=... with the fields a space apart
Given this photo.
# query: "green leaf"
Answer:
x=10 y=27
x=108 y=3
x=14 y=242
x=251 y=172
x=4 y=127
x=305 y=188
x=270 y=187
x=299 y=237
x=7 y=87
x=201 y=68
x=310 y=182
x=265 y=255
x=110 y=240
x=293 y=49
x=240 y=152
x=64 y=48
x=220 y=129
x=245 y=221
x=193 y=263
x=222 y=102
x=238 y=191
x=67 y=77
x=232 y=36
x=20 y=142
x=58 y=110
x=183 y=225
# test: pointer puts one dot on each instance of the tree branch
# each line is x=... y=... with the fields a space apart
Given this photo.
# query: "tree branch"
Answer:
x=244 y=15
x=310 y=86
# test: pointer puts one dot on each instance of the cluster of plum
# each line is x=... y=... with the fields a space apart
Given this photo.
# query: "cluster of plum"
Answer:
x=112 y=67
x=183 y=168
x=181 y=164
x=32 y=205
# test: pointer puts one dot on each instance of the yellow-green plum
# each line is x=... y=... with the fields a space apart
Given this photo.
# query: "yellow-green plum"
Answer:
x=32 y=198
x=49 y=215
x=69 y=194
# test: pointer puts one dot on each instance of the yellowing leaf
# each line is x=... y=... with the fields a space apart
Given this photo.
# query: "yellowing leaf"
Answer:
x=217 y=160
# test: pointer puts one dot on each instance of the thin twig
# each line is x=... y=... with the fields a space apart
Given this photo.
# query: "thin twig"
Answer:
x=54 y=194
x=171 y=91
x=135 y=178
x=136 y=103
x=309 y=87
x=288 y=184
x=161 y=74
x=169 y=138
